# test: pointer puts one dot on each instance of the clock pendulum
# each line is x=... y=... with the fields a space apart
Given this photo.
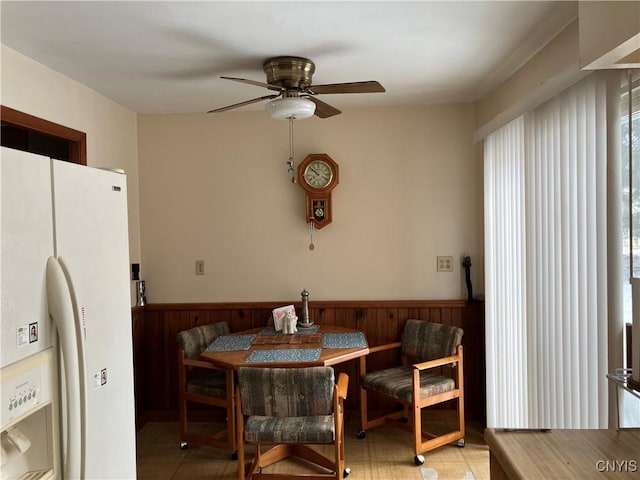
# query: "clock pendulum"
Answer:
x=311 y=245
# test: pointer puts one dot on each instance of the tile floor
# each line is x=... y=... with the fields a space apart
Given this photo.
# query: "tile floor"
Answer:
x=385 y=454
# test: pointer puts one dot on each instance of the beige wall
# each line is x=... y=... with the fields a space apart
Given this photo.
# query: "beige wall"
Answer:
x=215 y=187
x=111 y=130
x=554 y=68
x=609 y=34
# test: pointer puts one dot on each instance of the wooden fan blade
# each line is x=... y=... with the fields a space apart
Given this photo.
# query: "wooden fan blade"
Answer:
x=351 y=87
x=254 y=82
x=323 y=110
x=241 y=104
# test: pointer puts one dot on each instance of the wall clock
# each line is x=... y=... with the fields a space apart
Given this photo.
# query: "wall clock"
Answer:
x=318 y=176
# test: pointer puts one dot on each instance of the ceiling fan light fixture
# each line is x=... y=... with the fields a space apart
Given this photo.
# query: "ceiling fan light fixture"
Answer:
x=290 y=107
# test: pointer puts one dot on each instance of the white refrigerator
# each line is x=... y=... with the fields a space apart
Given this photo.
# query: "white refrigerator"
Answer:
x=65 y=321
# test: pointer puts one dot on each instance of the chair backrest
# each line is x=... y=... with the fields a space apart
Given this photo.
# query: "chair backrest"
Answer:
x=196 y=339
x=425 y=341
x=286 y=392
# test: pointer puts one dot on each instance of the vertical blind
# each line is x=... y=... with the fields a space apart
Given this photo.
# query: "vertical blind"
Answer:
x=545 y=240
x=505 y=281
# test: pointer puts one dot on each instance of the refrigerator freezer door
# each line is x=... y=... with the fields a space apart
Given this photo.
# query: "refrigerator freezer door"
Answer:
x=90 y=208
x=26 y=241
x=29 y=431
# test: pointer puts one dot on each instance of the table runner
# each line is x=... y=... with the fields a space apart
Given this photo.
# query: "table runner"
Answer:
x=310 y=340
x=301 y=330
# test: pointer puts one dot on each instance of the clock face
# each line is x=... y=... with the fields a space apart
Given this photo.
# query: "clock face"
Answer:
x=318 y=174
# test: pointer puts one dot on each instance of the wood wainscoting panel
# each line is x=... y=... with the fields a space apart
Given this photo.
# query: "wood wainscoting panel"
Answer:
x=139 y=362
x=156 y=352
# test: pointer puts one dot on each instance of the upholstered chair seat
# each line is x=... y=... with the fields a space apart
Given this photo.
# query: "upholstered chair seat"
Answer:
x=319 y=429
x=398 y=383
x=211 y=385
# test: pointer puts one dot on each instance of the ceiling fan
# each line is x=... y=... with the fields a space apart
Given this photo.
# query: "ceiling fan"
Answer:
x=291 y=77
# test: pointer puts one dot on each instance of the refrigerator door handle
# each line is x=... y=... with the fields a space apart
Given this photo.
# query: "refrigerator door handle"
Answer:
x=64 y=315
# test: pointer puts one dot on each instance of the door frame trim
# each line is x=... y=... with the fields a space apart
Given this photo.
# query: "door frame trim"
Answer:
x=76 y=139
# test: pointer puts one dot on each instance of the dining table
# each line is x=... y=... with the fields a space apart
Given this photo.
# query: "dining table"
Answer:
x=317 y=345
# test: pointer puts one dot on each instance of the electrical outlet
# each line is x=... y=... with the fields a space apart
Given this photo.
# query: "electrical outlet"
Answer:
x=445 y=264
x=199 y=267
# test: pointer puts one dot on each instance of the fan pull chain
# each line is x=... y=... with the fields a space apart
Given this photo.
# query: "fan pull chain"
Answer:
x=290 y=169
x=311 y=245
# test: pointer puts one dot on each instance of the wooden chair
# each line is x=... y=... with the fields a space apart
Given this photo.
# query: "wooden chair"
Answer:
x=428 y=351
x=290 y=409
x=200 y=382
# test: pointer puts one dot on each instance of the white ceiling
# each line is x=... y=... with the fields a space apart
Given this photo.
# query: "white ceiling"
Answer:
x=167 y=56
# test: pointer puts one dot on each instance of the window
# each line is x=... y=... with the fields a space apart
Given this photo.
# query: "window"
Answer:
x=630 y=150
x=630 y=174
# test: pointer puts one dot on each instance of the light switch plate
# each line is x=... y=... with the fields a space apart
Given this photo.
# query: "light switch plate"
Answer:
x=199 y=267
